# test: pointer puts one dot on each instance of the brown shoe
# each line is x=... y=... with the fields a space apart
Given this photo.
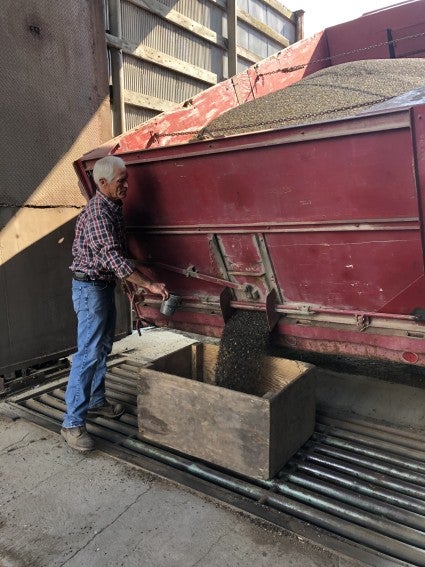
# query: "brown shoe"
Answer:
x=114 y=411
x=78 y=438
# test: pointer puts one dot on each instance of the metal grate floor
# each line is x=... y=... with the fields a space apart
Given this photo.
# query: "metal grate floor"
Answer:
x=355 y=487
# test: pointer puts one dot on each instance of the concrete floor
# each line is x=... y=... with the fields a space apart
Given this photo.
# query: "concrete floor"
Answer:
x=58 y=507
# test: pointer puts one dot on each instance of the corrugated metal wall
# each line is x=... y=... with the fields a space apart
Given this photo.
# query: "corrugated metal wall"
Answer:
x=165 y=52
x=55 y=106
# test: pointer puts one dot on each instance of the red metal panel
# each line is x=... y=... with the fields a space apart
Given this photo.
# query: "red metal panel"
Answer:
x=305 y=337
x=344 y=234
x=352 y=178
x=409 y=40
x=418 y=121
x=241 y=253
x=244 y=262
x=339 y=341
x=366 y=37
x=208 y=323
x=407 y=299
x=190 y=117
x=351 y=270
x=297 y=61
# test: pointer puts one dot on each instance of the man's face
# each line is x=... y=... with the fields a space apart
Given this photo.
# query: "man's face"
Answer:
x=115 y=189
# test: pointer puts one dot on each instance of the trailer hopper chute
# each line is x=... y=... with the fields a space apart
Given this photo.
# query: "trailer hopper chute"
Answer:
x=319 y=223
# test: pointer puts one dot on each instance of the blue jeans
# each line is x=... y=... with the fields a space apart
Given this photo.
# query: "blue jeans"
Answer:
x=94 y=304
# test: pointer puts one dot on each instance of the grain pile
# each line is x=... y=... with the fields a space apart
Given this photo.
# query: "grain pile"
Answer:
x=243 y=345
x=336 y=92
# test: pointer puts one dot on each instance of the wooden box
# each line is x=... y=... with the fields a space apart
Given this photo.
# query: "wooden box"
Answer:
x=179 y=407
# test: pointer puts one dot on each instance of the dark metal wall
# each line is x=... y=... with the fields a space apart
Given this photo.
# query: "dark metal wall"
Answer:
x=55 y=106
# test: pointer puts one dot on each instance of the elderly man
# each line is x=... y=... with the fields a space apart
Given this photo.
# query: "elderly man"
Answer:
x=100 y=256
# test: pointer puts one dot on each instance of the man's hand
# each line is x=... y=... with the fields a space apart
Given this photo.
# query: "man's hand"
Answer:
x=153 y=287
x=158 y=289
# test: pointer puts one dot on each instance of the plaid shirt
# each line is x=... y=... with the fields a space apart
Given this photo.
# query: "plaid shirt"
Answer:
x=100 y=246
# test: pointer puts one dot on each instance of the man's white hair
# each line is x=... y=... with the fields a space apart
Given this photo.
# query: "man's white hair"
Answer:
x=107 y=167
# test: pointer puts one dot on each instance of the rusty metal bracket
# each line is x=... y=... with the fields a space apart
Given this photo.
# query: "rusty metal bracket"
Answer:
x=135 y=297
x=226 y=296
x=363 y=322
x=192 y=272
x=272 y=315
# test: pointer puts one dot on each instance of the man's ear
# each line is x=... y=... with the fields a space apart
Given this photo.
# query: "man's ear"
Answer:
x=102 y=186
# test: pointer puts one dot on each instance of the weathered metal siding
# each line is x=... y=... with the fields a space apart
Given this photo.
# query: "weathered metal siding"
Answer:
x=136 y=116
x=139 y=26
x=164 y=53
x=55 y=105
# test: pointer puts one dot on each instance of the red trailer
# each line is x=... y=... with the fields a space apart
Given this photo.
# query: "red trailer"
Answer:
x=320 y=225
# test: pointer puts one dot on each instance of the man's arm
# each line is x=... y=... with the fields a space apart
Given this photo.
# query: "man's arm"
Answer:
x=107 y=245
x=142 y=281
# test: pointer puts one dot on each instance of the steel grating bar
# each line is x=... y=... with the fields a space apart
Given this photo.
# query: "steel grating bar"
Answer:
x=413 y=458
x=131 y=384
x=399 y=438
x=357 y=455
x=113 y=385
x=334 y=506
x=369 y=503
x=56 y=399
x=327 y=490
x=117 y=371
x=371 y=486
x=135 y=365
x=128 y=401
x=366 y=469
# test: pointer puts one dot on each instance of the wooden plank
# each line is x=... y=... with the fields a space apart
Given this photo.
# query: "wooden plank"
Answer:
x=208 y=34
x=292 y=419
x=151 y=102
x=158 y=58
x=197 y=361
x=291 y=16
x=227 y=428
x=178 y=362
x=209 y=361
x=280 y=8
x=263 y=28
x=277 y=373
x=248 y=55
x=181 y=20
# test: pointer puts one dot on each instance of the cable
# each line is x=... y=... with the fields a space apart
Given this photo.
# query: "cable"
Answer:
x=203 y=132
x=343 y=54
x=298 y=118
